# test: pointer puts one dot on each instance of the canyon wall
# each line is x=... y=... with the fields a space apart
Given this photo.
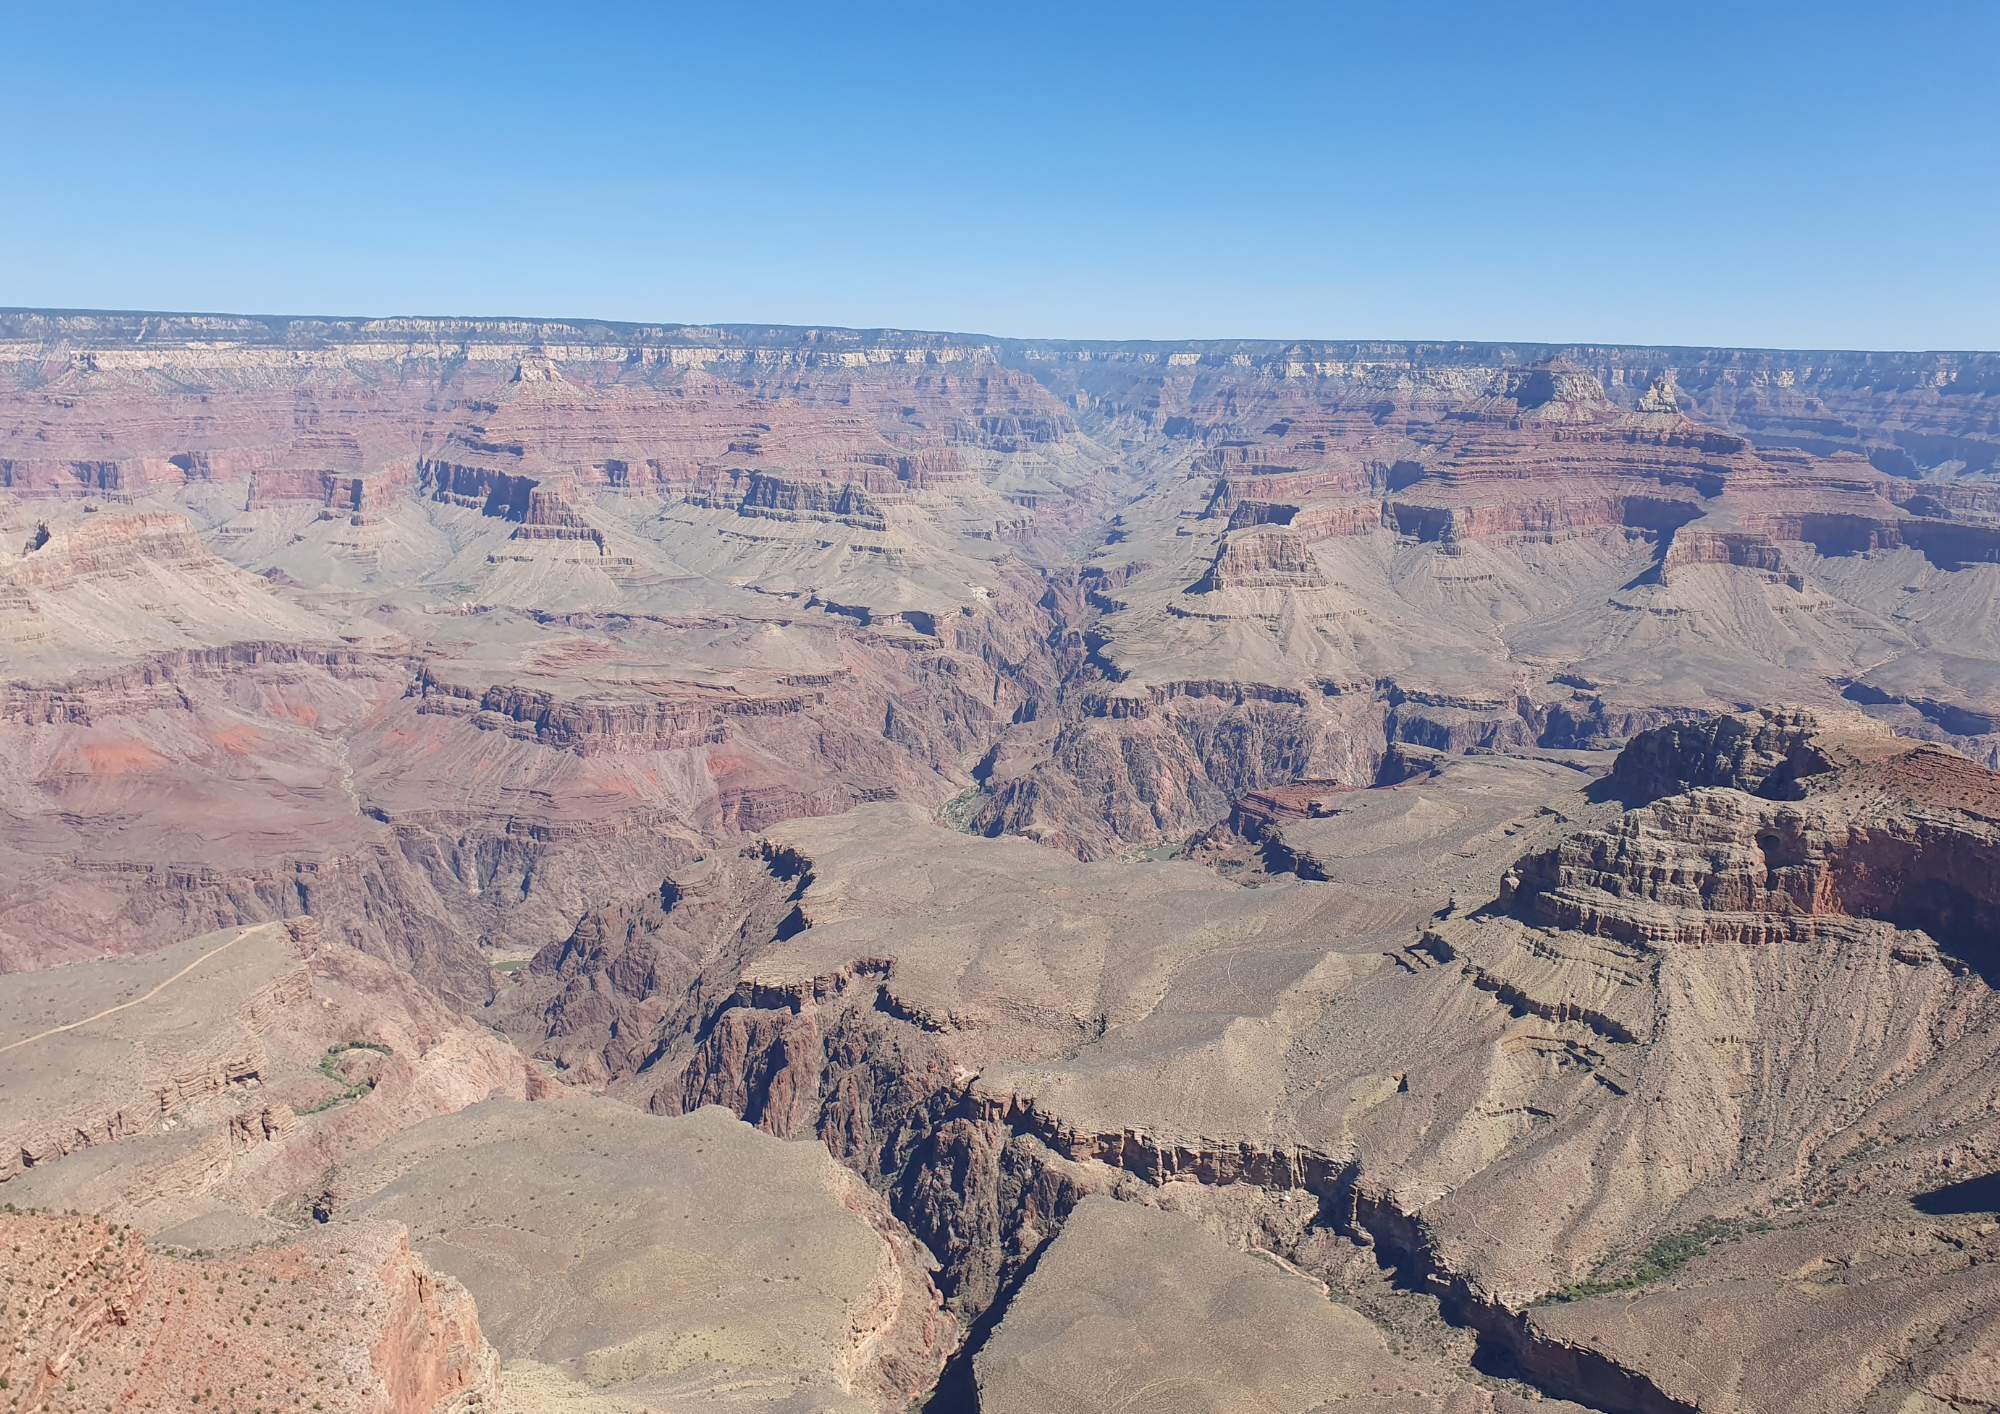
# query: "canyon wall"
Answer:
x=1324 y=798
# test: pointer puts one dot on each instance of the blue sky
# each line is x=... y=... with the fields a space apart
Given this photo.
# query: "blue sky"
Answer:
x=1791 y=175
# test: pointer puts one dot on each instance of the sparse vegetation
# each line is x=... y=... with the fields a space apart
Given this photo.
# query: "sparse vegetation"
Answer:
x=957 y=813
x=329 y=1066
x=1664 y=1256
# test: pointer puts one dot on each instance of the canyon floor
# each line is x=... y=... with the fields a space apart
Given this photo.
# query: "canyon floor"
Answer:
x=609 y=868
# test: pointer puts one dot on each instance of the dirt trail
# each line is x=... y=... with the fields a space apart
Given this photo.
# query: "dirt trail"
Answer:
x=123 y=1006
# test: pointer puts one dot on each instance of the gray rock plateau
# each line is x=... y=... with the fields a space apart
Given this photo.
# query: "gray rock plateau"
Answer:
x=602 y=868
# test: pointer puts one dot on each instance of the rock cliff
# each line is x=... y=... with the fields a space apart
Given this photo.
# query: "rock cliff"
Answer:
x=223 y=1072
x=1532 y=1078
x=871 y=733
x=363 y=1326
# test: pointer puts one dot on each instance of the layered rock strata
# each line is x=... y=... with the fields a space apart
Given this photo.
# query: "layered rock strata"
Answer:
x=222 y=1072
x=489 y=642
x=1642 y=1043
x=1355 y=547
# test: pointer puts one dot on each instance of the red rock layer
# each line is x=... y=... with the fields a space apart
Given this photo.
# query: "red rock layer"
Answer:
x=1891 y=831
x=1545 y=455
x=349 y=1320
x=110 y=547
x=1264 y=559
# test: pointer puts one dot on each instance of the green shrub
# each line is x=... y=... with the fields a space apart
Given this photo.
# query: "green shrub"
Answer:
x=1664 y=1256
x=329 y=1066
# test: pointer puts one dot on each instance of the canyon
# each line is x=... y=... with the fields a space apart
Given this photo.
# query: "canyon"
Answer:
x=832 y=869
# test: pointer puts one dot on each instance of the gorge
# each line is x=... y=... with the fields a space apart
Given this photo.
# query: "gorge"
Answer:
x=834 y=869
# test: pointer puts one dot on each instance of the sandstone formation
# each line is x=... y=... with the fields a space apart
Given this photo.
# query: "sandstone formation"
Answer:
x=222 y=1072
x=445 y=765
x=351 y=1321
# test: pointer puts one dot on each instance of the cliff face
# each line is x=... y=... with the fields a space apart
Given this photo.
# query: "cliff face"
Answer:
x=1738 y=1029
x=362 y=1325
x=803 y=717
x=1770 y=753
x=231 y=1068
x=1268 y=559
x=1756 y=1023
x=1773 y=871
x=429 y=1354
x=1350 y=545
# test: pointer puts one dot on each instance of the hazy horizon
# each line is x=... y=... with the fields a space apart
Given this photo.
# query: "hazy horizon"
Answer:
x=997 y=335
x=1802 y=178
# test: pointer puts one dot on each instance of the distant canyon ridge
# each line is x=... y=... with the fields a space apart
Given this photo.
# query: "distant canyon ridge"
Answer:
x=515 y=610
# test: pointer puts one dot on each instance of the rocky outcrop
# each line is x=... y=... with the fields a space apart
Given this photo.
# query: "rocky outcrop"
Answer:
x=1267 y=559
x=1258 y=812
x=429 y=1354
x=1310 y=520
x=1771 y=752
x=69 y=1280
x=1758 y=874
x=1132 y=774
x=363 y=494
x=589 y=728
x=108 y=546
x=306 y=1050
x=1744 y=549
x=1871 y=828
x=362 y=1325
x=550 y=516
x=787 y=498
x=491 y=493
x=643 y=976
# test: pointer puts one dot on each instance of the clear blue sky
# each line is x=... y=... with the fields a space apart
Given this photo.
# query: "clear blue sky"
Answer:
x=1798 y=175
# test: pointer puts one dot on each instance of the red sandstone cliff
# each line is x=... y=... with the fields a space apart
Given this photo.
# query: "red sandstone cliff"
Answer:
x=350 y=1320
